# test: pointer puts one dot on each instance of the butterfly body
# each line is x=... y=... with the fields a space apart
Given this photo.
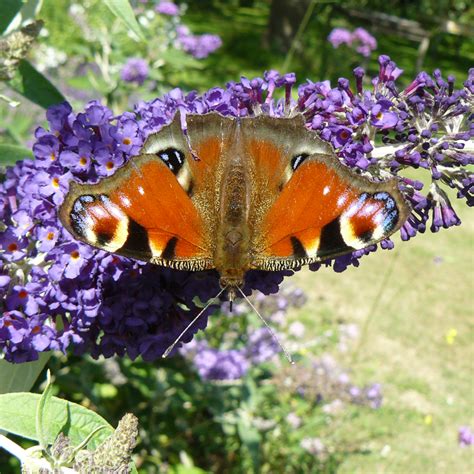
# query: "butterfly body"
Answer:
x=232 y=248
x=236 y=194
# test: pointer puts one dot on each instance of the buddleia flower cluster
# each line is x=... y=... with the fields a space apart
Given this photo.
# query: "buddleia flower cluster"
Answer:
x=243 y=348
x=240 y=350
x=360 y=40
x=56 y=292
x=324 y=381
x=427 y=126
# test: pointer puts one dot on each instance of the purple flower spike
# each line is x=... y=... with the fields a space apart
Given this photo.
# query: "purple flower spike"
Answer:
x=134 y=70
x=366 y=43
x=167 y=8
x=55 y=292
x=340 y=36
x=360 y=40
x=262 y=346
x=199 y=46
x=213 y=364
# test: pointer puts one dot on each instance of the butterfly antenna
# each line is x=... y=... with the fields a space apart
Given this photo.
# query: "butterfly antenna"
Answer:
x=172 y=346
x=231 y=298
x=270 y=330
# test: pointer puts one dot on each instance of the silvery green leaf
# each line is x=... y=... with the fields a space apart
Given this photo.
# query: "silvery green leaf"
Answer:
x=123 y=10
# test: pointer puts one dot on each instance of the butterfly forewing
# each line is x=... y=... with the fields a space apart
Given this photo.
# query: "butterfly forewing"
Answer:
x=324 y=211
x=144 y=211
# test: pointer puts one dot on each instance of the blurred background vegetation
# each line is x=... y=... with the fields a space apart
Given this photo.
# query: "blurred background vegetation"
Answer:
x=82 y=46
x=400 y=320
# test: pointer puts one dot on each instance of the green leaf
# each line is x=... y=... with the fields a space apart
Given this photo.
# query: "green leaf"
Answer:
x=30 y=10
x=250 y=437
x=18 y=413
x=34 y=86
x=9 y=155
x=180 y=469
x=41 y=411
x=123 y=10
x=9 y=10
x=21 y=377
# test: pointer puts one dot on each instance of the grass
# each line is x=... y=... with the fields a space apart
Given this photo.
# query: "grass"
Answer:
x=427 y=383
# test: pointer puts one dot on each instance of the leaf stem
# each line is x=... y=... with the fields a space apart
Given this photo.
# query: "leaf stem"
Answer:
x=299 y=33
x=23 y=456
x=13 y=448
x=375 y=303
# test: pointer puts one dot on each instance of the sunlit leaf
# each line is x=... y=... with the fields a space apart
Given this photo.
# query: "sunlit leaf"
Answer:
x=34 y=86
x=41 y=424
x=123 y=10
x=19 y=377
x=18 y=415
x=9 y=155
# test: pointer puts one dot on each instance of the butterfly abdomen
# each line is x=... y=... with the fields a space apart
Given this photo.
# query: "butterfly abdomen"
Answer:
x=232 y=249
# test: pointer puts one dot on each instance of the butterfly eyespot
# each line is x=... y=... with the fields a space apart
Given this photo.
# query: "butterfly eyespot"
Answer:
x=172 y=158
x=80 y=203
x=81 y=210
x=297 y=160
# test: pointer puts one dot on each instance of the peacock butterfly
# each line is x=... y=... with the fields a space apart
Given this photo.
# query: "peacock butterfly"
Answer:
x=234 y=194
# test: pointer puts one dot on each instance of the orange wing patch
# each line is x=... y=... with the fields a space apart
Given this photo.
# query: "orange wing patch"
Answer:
x=143 y=213
x=313 y=197
x=153 y=198
x=268 y=162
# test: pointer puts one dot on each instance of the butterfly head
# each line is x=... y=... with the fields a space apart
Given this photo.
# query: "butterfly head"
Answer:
x=232 y=285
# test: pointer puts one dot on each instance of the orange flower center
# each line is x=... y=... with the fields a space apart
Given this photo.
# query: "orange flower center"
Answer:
x=109 y=165
x=50 y=236
x=12 y=247
x=126 y=141
x=22 y=294
x=74 y=254
x=52 y=156
x=83 y=161
x=56 y=182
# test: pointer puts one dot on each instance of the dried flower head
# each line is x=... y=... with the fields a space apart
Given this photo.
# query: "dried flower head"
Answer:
x=114 y=454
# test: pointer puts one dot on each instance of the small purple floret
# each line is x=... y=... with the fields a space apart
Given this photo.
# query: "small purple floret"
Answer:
x=134 y=70
x=167 y=8
x=465 y=436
